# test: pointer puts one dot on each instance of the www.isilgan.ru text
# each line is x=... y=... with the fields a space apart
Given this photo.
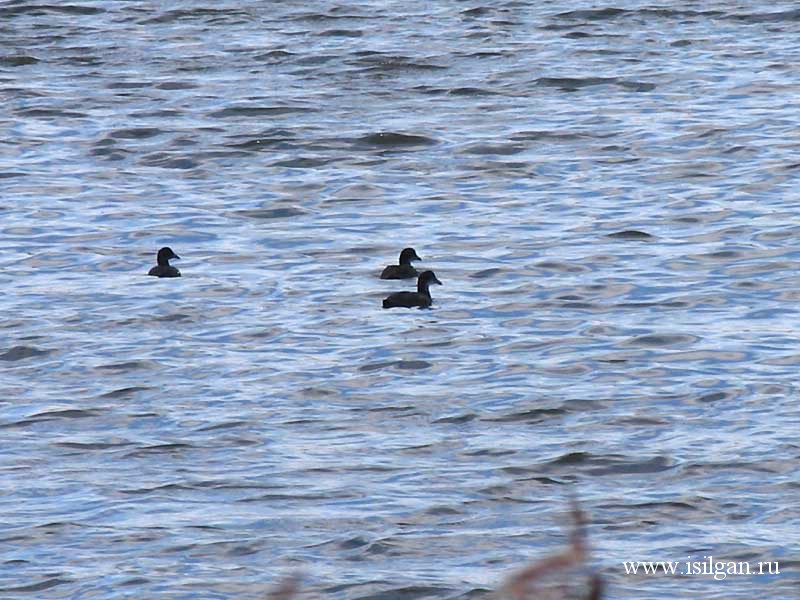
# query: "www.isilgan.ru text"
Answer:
x=719 y=569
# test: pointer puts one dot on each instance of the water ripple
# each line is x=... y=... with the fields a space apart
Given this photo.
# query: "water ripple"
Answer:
x=604 y=191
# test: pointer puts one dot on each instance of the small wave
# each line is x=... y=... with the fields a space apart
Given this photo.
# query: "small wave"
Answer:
x=159 y=449
x=37 y=587
x=383 y=62
x=557 y=265
x=271 y=213
x=257 y=111
x=67 y=413
x=471 y=91
x=656 y=340
x=630 y=234
x=457 y=419
x=493 y=149
x=92 y=445
x=353 y=33
x=130 y=366
x=21 y=353
x=135 y=133
x=392 y=139
x=194 y=14
x=486 y=273
x=19 y=60
x=302 y=162
x=604 y=14
x=43 y=9
x=572 y=84
x=125 y=392
x=535 y=415
x=478 y=11
x=592 y=14
x=268 y=139
x=411 y=365
x=775 y=17
x=165 y=160
x=129 y=85
x=176 y=85
x=50 y=112
x=274 y=56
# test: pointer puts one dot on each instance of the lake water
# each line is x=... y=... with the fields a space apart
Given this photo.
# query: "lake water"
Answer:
x=608 y=192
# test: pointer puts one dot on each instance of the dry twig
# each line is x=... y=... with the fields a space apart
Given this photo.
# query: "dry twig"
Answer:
x=528 y=584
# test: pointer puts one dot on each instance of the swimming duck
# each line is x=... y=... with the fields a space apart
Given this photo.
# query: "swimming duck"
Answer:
x=421 y=298
x=163 y=269
x=404 y=270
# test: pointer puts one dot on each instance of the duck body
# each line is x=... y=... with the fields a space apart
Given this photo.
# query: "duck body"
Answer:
x=163 y=268
x=164 y=271
x=408 y=300
x=403 y=270
x=399 y=272
x=419 y=299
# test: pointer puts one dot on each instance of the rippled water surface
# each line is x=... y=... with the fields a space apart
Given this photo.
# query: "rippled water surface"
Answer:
x=607 y=191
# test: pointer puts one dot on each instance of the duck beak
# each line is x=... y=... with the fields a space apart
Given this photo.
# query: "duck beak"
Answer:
x=415 y=257
x=175 y=256
x=437 y=281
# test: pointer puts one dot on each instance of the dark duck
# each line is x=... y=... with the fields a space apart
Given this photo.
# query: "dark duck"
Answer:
x=404 y=270
x=421 y=298
x=163 y=268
